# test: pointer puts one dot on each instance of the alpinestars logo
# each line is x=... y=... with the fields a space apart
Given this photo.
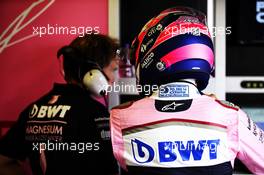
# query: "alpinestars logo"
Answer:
x=171 y=106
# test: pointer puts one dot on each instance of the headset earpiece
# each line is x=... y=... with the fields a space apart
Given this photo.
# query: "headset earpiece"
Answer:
x=93 y=78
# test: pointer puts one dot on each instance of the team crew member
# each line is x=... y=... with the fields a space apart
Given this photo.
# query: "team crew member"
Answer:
x=178 y=130
x=67 y=130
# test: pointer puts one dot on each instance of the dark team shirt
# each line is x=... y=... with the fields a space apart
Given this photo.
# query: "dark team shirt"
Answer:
x=71 y=128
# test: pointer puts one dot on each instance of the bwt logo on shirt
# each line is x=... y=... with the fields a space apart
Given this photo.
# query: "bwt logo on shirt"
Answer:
x=171 y=151
x=49 y=111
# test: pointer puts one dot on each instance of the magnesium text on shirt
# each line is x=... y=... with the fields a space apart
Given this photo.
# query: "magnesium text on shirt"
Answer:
x=46 y=122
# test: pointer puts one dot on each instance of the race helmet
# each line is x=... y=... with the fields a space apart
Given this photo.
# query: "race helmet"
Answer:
x=172 y=46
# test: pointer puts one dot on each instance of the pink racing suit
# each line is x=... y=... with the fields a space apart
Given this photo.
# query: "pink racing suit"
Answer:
x=180 y=131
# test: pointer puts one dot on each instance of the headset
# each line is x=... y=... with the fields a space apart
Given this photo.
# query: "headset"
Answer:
x=89 y=73
x=94 y=79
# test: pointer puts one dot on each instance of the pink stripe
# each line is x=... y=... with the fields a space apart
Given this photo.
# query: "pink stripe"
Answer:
x=190 y=51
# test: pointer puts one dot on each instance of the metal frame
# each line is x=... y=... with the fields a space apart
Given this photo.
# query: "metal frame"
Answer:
x=220 y=50
x=113 y=31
